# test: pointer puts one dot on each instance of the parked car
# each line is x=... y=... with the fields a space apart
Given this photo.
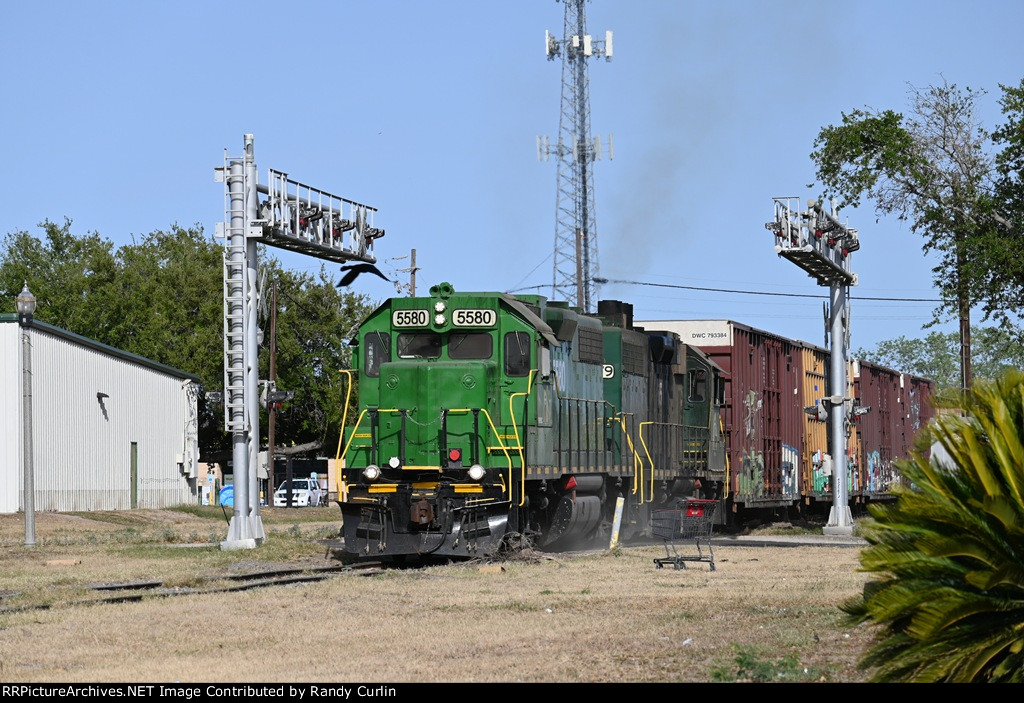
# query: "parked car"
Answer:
x=305 y=492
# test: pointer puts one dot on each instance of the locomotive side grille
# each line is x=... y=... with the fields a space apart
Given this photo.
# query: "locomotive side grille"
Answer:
x=591 y=346
x=634 y=358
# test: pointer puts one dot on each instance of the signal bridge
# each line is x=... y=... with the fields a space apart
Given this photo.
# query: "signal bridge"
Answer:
x=815 y=241
x=294 y=216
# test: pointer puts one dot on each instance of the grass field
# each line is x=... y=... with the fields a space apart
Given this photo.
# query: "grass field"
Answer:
x=765 y=614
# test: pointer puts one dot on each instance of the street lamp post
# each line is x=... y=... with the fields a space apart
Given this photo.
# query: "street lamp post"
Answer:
x=26 y=304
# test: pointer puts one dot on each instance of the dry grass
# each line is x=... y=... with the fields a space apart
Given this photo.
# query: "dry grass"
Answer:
x=596 y=617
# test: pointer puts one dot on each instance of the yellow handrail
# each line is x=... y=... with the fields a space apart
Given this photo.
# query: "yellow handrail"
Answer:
x=638 y=464
x=501 y=444
x=339 y=484
x=519 y=442
x=648 y=453
x=352 y=436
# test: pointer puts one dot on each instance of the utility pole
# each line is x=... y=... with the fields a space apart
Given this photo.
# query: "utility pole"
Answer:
x=410 y=287
x=576 y=253
x=817 y=242
x=412 y=274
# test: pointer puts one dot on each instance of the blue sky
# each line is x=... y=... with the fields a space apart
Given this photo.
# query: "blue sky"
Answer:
x=116 y=113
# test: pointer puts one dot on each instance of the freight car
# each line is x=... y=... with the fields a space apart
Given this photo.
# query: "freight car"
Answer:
x=778 y=448
x=483 y=415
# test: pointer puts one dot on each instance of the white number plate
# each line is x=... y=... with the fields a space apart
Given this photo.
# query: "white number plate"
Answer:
x=474 y=318
x=409 y=318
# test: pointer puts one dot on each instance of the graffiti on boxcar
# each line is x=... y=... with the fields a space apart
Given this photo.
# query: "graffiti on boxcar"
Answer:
x=790 y=461
x=751 y=479
x=915 y=408
x=821 y=464
x=753 y=405
x=882 y=475
x=853 y=477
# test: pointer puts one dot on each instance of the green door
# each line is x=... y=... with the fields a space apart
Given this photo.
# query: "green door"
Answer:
x=135 y=475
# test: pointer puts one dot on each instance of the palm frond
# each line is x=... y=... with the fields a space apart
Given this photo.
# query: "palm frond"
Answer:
x=949 y=553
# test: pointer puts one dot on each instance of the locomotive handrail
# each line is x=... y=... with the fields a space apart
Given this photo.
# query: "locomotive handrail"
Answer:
x=590 y=401
x=648 y=453
x=685 y=453
x=352 y=436
x=490 y=422
x=638 y=464
x=519 y=441
x=339 y=483
x=494 y=429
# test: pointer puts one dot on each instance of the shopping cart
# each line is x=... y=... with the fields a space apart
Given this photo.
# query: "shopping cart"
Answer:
x=691 y=520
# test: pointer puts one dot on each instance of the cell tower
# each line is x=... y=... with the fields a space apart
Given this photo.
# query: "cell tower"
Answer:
x=576 y=257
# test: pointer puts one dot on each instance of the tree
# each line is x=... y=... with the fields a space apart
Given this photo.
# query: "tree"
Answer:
x=931 y=169
x=1005 y=281
x=161 y=297
x=169 y=300
x=314 y=324
x=935 y=356
x=71 y=276
x=949 y=595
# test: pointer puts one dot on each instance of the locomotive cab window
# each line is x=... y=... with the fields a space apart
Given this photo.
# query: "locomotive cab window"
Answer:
x=470 y=345
x=698 y=385
x=377 y=351
x=517 y=354
x=419 y=345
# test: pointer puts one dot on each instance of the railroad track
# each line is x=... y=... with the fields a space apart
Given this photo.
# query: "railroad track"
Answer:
x=135 y=591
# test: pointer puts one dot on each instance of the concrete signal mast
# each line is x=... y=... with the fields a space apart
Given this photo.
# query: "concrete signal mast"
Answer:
x=575 y=259
x=817 y=242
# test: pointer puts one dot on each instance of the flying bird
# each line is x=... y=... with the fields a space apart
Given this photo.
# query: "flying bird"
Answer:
x=353 y=270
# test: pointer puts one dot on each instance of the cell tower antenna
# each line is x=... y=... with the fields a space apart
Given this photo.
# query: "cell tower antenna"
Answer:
x=576 y=253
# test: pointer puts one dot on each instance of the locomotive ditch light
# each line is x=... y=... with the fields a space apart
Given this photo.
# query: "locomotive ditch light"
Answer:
x=394 y=462
x=371 y=472
x=476 y=472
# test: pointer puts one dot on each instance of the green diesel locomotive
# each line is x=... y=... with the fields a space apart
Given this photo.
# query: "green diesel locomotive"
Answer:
x=485 y=418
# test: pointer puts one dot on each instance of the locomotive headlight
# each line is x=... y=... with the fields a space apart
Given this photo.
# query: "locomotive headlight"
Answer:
x=476 y=472
x=439 y=319
x=371 y=472
x=439 y=306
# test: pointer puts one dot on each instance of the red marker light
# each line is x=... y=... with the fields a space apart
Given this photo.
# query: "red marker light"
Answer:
x=570 y=483
x=454 y=454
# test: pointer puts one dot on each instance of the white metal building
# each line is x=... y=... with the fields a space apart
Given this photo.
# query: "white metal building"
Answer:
x=110 y=430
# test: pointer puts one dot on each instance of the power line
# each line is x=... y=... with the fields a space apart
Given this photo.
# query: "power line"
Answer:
x=602 y=281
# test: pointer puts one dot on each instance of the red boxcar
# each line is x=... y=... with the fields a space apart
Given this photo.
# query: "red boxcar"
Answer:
x=900 y=406
x=762 y=415
x=769 y=380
